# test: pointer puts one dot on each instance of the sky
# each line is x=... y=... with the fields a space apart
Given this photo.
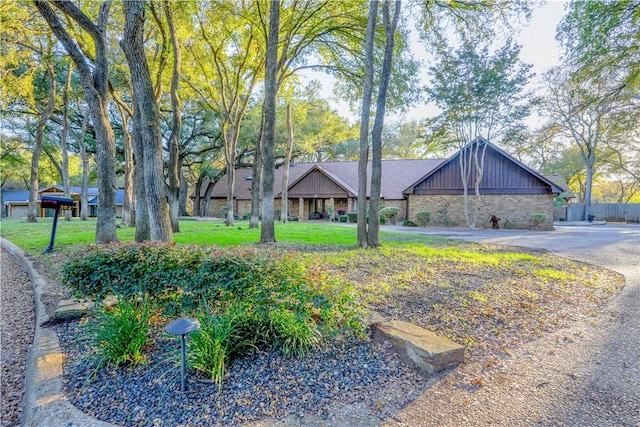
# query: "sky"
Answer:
x=539 y=48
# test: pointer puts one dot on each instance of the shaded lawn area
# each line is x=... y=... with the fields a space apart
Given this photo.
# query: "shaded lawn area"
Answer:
x=489 y=298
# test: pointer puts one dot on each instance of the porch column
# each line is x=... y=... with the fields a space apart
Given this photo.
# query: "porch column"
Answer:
x=301 y=208
x=332 y=209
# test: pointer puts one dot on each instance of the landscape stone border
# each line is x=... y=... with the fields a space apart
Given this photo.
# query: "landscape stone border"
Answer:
x=45 y=404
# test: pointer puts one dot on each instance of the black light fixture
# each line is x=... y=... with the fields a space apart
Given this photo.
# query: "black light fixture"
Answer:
x=182 y=327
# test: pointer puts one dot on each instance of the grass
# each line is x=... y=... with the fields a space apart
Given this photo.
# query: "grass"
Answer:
x=34 y=237
x=121 y=334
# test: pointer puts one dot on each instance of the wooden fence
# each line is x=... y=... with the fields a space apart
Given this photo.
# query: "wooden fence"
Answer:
x=611 y=212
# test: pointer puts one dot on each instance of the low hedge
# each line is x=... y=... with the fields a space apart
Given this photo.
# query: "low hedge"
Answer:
x=389 y=213
x=423 y=218
x=180 y=278
x=537 y=218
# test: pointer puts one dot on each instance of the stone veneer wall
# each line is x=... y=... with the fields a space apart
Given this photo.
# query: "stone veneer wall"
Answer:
x=217 y=208
x=512 y=207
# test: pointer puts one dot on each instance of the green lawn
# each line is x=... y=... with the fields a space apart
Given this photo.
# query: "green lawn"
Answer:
x=34 y=237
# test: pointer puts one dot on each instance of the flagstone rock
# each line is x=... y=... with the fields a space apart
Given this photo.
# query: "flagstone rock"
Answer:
x=76 y=308
x=430 y=352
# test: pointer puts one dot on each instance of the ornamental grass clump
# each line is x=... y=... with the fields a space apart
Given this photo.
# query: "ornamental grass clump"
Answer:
x=121 y=334
x=294 y=334
x=215 y=342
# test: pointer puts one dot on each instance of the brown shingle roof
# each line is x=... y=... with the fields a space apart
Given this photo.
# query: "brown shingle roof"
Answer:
x=396 y=176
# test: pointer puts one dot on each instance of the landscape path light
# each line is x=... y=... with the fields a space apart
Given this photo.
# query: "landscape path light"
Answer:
x=182 y=327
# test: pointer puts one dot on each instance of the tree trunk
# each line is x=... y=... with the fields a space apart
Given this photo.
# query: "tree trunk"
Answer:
x=196 y=195
x=84 y=157
x=207 y=198
x=94 y=85
x=184 y=195
x=256 y=179
x=174 y=138
x=63 y=140
x=146 y=113
x=390 y=25
x=284 y=210
x=588 y=184
x=465 y=172
x=479 y=166
x=364 y=125
x=143 y=224
x=128 y=199
x=37 y=150
x=267 y=231
x=231 y=182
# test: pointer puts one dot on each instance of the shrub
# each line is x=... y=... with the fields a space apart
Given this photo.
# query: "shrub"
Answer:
x=246 y=216
x=292 y=218
x=444 y=216
x=245 y=299
x=409 y=223
x=353 y=216
x=343 y=218
x=423 y=218
x=181 y=276
x=510 y=223
x=315 y=215
x=537 y=218
x=390 y=213
x=121 y=334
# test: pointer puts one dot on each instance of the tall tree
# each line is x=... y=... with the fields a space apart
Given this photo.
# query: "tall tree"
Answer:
x=307 y=27
x=45 y=114
x=390 y=25
x=93 y=70
x=481 y=96
x=284 y=195
x=230 y=63
x=601 y=37
x=84 y=157
x=267 y=231
x=64 y=164
x=365 y=114
x=582 y=109
x=147 y=117
x=173 y=165
x=128 y=202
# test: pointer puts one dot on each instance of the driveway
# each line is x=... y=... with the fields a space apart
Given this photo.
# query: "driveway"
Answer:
x=593 y=377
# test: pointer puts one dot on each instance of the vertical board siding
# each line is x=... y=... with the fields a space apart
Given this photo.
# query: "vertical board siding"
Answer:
x=499 y=173
x=613 y=212
x=316 y=183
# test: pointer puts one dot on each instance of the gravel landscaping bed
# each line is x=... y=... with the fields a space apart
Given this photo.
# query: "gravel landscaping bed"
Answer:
x=16 y=335
x=265 y=386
